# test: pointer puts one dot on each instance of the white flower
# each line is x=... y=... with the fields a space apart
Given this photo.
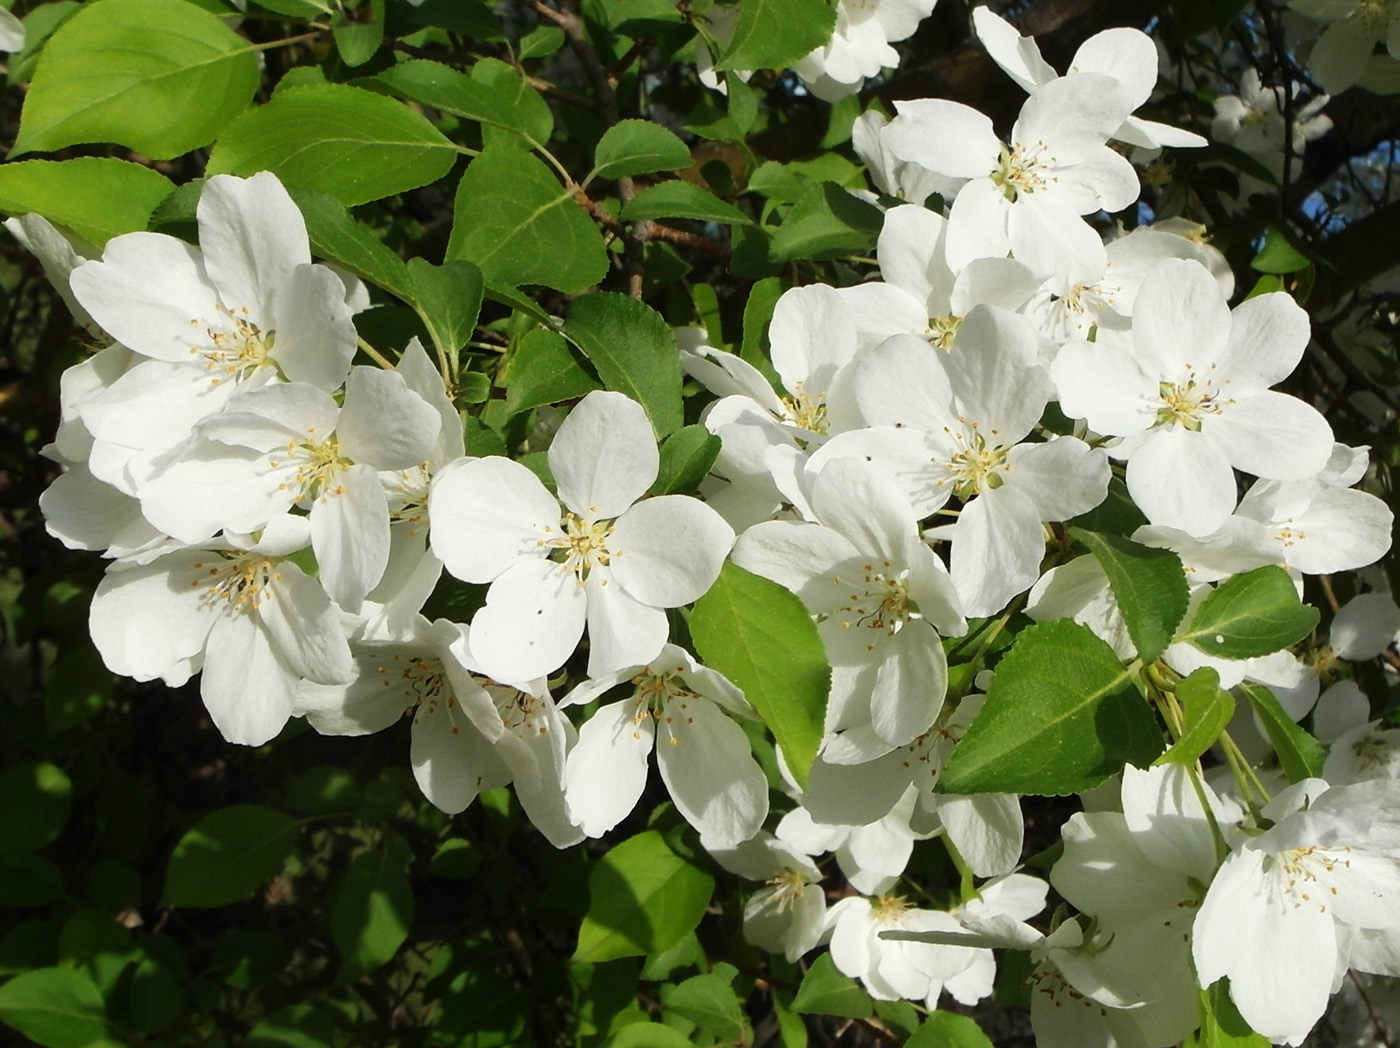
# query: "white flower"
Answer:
x=860 y=45
x=11 y=33
x=881 y=598
x=1027 y=197
x=253 y=620
x=1343 y=52
x=892 y=174
x=788 y=914
x=246 y=308
x=619 y=561
x=1275 y=916
x=1254 y=122
x=1189 y=389
x=703 y=755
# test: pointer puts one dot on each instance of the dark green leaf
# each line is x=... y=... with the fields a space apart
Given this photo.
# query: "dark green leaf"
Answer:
x=471 y=18
x=709 y=1002
x=323 y=789
x=678 y=199
x=227 y=855
x=1205 y=711
x=28 y=880
x=529 y=109
x=825 y=991
x=544 y=370
x=758 y=311
x=1249 y=615
x=161 y=77
x=444 y=88
x=351 y=143
x=949 y=1030
x=760 y=636
x=1299 y=754
x=358 y=41
x=541 y=42
x=648 y=1035
x=642 y=898
x=78 y=686
x=514 y=220
x=448 y=298
x=337 y=237
x=826 y=222
x=35 y=799
x=1149 y=587
x=773 y=34
x=686 y=456
x=155 y=997
x=96 y=197
x=56 y=1007
x=636 y=147
x=246 y=958
x=372 y=912
x=634 y=350
x=1062 y=715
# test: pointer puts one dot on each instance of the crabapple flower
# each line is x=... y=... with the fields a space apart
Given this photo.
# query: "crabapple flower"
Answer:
x=1277 y=916
x=881 y=598
x=788 y=914
x=1188 y=389
x=1254 y=122
x=254 y=621
x=11 y=33
x=860 y=45
x=893 y=175
x=703 y=755
x=1341 y=55
x=1127 y=55
x=1026 y=198
x=607 y=560
x=246 y=308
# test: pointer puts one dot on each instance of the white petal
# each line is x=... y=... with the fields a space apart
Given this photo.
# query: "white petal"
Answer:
x=607 y=771
x=531 y=623
x=998 y=544
x=604 y=456
x=1064 y=477
x=350 y=534
x=622 y=631
x=1180 y=319
x=813 y=335
x=667 y=551
x=977 y=224
x=248 y=691
x=947 y=137
x=1181 y=479
x=145 y=619
x=253 y=236
x=705 y=762
x=384 y=424
x=315 y=335
x=451 y=761
x=307 y=630
x=1272 y=435
x=488 y=513
x=987 y=831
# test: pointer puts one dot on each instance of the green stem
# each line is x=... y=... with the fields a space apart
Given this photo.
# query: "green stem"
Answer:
x=374 y=354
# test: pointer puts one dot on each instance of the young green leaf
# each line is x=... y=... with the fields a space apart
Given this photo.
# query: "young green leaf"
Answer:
x=372 y=912
x=351 y=143
x=544 y=370
x=1149 y=587
x=677 y=199
x=1299 y=754
x=1249 y=615
x=1278 y=256
x=448 y=298
x=528 y=107
x=514 y=220
x=760 y=636
x=773 y=34
x=637 y=147
x=444 y=88
x=1222 y=1026
x=634 y=350
x=58 y=1008
x=1062 y=715
x=642 y=898
x=686 y=456
x=161 y=77
x=709 y=1002
x=338 y=238
x=949 y=1030
x=1205 y=711
x=96 y=197
x=826 y=991
x=825 y=222
x=227 y=855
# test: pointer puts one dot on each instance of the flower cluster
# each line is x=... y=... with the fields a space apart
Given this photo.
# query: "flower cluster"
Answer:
x=277 y=517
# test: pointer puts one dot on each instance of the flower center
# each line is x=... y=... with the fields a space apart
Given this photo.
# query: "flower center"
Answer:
x=520 y=711
x=242 y=581
x=1023 y=169
x=882 y=602
x=319 y=464
x=788 y=887
x=806 y=411
x=583 y=545
x=978 y=466
x=942 y=330
x=239 y=350
x=407 y=490
x=889 y=909
x=1307 y=875
x=1188 y=403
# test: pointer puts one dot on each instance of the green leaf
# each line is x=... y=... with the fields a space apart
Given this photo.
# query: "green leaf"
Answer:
x=471 y=18
x=337 y=237
x=543 y=370
x=678 y=199
x=351 y=143
x=773 y=34
x=161 y=77
x=1149 y=587
x=636 y=147
x=528 y=106
x=227 y=855
x=448 y=298
x=372 y=912
x=358 y=41
x=79 y=685
x=56 y=1007
x=1249 y=615
x=1062 y=715
x=249 y=957
x=949 y=1030
x=648 y=1035
x=1205 y=711
x=825 y=991
x=686 y=456
x=155 y=997
x=826 y=222
x=514 y=220
x=28 y=880
x=1222 y=1026
x=39 y=25
x=96 y=197
x=709 y=1002
x=1299 y=754
x=1277 y=255
x=444 y=88
x=323 y=789
x=642 y=898
x=634 y=350
x=35 y=800
x=541 y=42
x=760 y=636
x=758 y=311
